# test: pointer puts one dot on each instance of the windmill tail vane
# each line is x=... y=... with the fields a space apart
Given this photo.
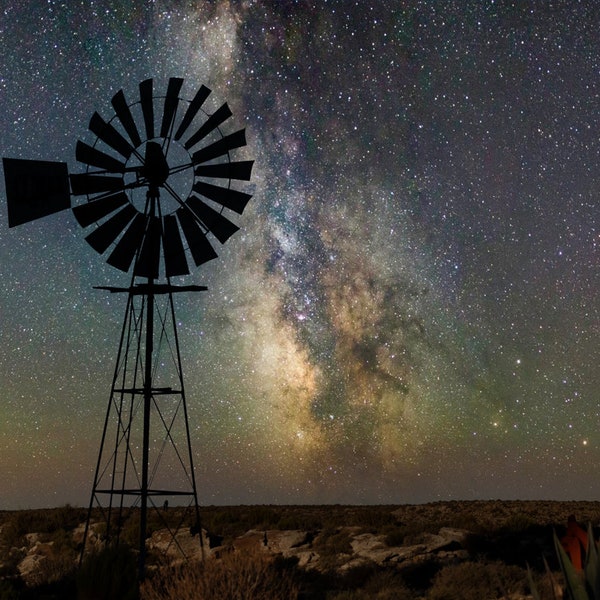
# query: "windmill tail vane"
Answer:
x=158 y=187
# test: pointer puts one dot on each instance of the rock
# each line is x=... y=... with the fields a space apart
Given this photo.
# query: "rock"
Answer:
x=293 y=543
x=252 y=540
x=288 y=543
x=30 y=565
x=38 y=554
x=453 y=534
x=94 y=539
x=183 y=544
x=79 y=532
x=307 y=559
x=32 y=539
x=366 y=547
x=373 y=547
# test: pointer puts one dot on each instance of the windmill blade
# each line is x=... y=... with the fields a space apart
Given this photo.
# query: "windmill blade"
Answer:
x=104 y=235
x=124 y=115
x=232 y=199
x=241 y=170
x=221 y=115
x=88 y=183
x=95 y=158
x=201 y=95
x=170 y=107
x=174 y=252
x=147 y=107
x=220 y=147
x=198 y=244
x=149 y=257
x=221 y=227
x=110 y=136
x=123 y=253
x=94 y=211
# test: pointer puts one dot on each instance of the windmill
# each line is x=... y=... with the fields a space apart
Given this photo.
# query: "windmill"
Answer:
x=158 y=185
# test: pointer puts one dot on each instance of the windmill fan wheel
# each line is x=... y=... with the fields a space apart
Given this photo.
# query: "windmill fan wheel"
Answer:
x=157 y=185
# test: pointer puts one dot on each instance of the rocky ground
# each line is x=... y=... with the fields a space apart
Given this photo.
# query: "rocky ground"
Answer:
x=430 y=547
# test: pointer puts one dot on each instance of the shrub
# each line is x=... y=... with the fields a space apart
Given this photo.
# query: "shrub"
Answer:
x=473 y=581
x=12 y=536
x=370 y=519
x=383 y=585
x=8 y=590
x=330 y=545
x=394 y=535
x=129 y=533
x=244 y=576
x=397 y=534
x=108 y=574
x=333 y=542
x=299 y=521
x=518 y=523
x=10 y=559
x=46 y=521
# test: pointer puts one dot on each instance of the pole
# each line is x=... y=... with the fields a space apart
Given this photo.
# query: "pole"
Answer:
x=147 y=407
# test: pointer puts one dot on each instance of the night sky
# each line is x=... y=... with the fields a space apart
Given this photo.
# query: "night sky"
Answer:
x=410 y=311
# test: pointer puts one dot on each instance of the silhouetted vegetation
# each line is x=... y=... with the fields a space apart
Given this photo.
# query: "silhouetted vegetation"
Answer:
x=489 y=562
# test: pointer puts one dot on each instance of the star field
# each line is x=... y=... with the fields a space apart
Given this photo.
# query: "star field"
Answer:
x=409 y=312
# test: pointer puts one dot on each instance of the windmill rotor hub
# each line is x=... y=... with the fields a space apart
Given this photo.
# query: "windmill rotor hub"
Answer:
x=156 y=168
x=141 y=174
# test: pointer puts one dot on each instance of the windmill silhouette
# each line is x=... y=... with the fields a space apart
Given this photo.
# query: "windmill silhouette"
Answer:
x=159 y=181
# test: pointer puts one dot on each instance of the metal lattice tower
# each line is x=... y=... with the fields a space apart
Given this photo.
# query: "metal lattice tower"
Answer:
x=147 y=410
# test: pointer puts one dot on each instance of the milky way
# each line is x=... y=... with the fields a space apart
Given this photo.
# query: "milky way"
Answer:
x=409 y=312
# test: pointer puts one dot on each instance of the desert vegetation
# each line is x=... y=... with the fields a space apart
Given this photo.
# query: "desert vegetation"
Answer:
x=439 y=551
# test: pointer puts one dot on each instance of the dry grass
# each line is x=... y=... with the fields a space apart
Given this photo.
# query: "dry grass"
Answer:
x=243 y=576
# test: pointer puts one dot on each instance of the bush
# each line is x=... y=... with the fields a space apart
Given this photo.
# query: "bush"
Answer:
x=473 y=581
x=8 y=590
x=45 y=521
x=244 y=576
x=383 y=585
x=332 y=542
x=394 y=535
x=109 y=574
